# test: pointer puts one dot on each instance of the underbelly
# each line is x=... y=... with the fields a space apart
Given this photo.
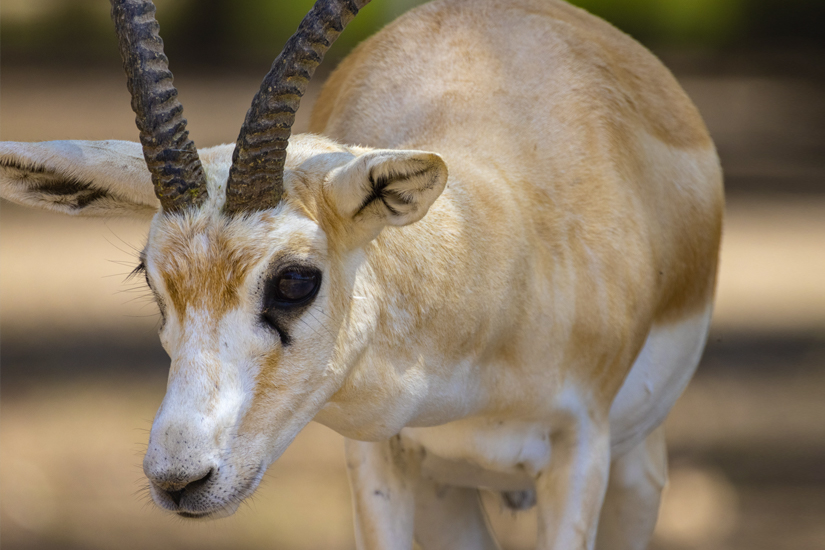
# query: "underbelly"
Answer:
x=464 y=473
x=504 y=455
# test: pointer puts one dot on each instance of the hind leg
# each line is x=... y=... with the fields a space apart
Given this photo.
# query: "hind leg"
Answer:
x=450 y=518
x=634 y=491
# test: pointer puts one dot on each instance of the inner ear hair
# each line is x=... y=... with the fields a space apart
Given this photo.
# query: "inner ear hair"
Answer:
x=42 y=185
x=28 y=167
x=76 y=177
x=404 y=185
x=380 y=178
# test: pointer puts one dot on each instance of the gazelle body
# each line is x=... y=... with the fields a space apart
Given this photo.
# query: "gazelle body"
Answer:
x=528 y=334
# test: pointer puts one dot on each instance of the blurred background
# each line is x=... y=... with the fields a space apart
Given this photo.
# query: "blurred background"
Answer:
x=83 y=371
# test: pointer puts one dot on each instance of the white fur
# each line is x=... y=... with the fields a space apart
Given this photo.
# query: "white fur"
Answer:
x=658 y=377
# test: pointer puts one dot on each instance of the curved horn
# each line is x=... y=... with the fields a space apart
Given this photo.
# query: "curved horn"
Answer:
x=170 y=154
x=257 y=174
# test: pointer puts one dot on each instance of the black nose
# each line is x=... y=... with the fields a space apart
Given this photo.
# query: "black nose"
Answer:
x=192 y=485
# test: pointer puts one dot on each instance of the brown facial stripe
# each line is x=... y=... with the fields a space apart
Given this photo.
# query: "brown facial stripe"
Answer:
x=266 y=385
x=205 y=262
x=207 y=279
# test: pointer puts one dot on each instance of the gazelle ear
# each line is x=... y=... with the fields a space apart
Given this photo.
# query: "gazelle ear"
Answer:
x=86 y=178
x=387 y=187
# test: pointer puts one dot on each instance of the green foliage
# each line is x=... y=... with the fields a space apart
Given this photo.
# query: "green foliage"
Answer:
x=68 y=29
x=263 y=27
x=673 y=22
x=253 y=31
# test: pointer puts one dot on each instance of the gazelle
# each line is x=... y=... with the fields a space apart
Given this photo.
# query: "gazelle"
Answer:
x=491 y=265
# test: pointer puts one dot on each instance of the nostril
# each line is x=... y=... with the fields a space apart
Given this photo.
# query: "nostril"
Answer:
x=203 y=480
x=177 y=495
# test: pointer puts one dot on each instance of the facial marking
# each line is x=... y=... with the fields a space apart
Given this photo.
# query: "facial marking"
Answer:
x=250 y=393
x=213 y=271
x=205 y=260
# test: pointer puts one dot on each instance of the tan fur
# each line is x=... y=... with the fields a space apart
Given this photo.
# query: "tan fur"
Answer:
x=204 y=261
x=587 y=154
x=570 y=205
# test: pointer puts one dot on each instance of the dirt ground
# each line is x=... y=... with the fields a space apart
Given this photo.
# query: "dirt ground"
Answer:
x=83 y=373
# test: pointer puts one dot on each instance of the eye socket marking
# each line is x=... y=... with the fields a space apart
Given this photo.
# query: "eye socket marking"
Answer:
x=286 y=294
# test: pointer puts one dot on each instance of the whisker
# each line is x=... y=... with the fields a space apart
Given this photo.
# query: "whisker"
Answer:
x=304 y=322
x=329 y=332
x=141 y=316
x=128 y=245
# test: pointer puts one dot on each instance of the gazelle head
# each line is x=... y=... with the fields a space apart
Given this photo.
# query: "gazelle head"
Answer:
x=254 y=254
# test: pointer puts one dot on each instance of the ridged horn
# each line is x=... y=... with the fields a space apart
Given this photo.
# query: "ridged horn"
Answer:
x=257 y=174
x=171 y=156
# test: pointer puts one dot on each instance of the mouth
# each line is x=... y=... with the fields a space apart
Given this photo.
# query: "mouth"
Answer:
x=190 y=515
x=223 y=512
x=219 y=498
x=194 y=515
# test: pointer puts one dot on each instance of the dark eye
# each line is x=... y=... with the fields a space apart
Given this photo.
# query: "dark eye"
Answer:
x=286 y=293
x=292 y=287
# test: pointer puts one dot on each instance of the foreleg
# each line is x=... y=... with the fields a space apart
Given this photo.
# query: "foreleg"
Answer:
x=383 y=479
x=570 y=490
x=631 y=505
